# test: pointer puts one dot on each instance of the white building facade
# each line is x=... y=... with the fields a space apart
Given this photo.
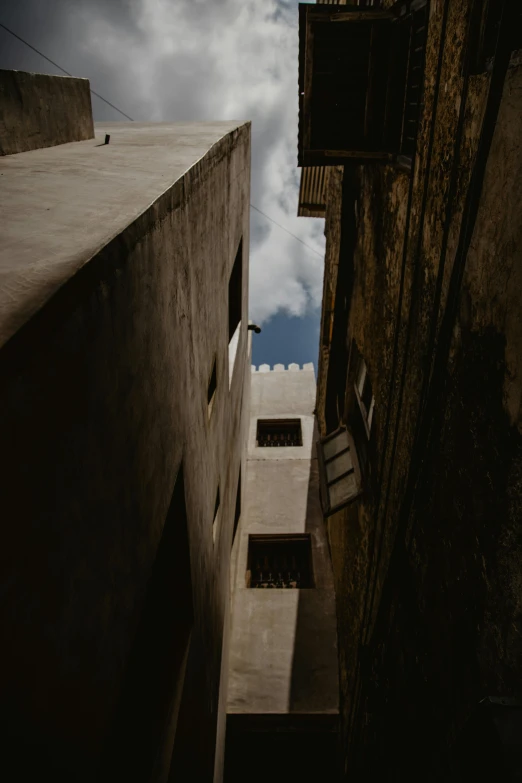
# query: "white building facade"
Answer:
x=282 y=707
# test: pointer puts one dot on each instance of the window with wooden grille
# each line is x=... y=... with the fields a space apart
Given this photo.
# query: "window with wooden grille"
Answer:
x=283 y=562
x=279 y=432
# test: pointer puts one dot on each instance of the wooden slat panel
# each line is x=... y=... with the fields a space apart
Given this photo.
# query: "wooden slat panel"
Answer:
x=312 y=191
x=341 y=483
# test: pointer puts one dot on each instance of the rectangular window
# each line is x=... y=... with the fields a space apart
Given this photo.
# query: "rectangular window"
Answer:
x=339 y=473
x=235 y=298
x=215 y=523
x=237 y=513
x=365 y=398
x=283 y=561
x=279 y=432
x=211 y=391
x=235 y=292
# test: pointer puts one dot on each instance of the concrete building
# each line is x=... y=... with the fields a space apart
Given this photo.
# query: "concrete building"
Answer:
x=420 y=363
x=125 y=368
x=283 y=691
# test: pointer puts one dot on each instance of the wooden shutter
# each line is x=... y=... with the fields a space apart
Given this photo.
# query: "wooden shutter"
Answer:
x=339 y=471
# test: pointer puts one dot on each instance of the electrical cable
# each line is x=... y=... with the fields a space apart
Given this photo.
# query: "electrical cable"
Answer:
x=63 y=70
x=97 y=94
x=287 y=231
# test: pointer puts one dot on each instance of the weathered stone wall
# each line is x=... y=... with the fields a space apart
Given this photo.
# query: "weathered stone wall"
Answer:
x=427 y=565
x=332 y=232
x=39 y=110
x=114 y=327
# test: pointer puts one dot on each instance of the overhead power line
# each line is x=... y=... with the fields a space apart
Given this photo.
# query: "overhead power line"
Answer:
x=11 y=32
x=287 y=231
x=63 y=69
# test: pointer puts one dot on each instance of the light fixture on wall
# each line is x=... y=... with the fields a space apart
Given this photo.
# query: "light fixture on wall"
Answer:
x=255 y=328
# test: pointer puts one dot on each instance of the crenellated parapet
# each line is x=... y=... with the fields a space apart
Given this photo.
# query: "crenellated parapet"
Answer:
x=308 y=367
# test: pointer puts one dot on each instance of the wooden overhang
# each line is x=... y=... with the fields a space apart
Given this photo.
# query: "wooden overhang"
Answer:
x=353 y=69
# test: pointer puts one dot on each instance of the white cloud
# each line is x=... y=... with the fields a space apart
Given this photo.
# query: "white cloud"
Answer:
x=202 y=60
x=235 y=59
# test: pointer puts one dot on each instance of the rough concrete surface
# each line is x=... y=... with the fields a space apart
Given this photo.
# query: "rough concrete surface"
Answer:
x=87 y=194
x=114 y=283
x=39 y=110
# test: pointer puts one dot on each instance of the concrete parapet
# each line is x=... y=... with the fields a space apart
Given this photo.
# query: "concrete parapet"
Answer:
x=39 y=110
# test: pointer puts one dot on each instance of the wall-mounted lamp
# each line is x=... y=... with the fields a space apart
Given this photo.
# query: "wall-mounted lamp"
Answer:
x=255 y=328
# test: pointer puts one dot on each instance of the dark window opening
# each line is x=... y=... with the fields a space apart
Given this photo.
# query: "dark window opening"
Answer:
x=237 y=513
x=363 y=388
x=484 y=32
x=279 y=432
x=145 y=721
x=283 y=561
x=235 y=291
x=212 y=386
x=339 y=86
x=216 y=515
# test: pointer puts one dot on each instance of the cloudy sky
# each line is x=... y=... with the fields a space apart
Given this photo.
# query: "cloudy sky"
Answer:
x=175 y=60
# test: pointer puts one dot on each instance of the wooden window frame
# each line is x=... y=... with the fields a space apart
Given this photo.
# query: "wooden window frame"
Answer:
x=273 y=422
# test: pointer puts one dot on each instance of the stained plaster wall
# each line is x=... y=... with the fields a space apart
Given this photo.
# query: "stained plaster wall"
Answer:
x=283 y=648
x=114 y=308
x=430 y=590
x=283 y=651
